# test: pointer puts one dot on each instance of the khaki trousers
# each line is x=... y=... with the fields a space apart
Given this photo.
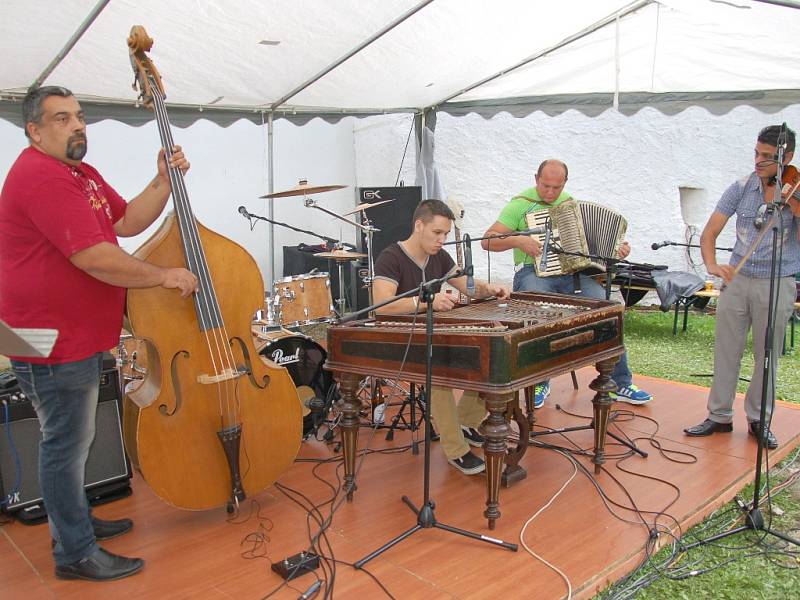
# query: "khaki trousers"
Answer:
x=742 y=306
x=448 y=418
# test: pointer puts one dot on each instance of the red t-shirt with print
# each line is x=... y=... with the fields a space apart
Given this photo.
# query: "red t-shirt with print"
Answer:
x=49 y=211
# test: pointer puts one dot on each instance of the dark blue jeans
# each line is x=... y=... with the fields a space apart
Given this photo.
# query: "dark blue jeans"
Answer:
x=65 y=399
x=526 y=280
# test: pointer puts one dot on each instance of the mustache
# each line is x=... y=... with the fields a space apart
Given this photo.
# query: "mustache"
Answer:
x=77 y=137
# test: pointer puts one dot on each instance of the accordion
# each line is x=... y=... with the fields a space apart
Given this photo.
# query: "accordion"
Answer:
x=578 y=226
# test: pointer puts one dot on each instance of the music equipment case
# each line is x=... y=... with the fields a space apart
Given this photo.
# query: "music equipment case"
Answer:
x=108 y=470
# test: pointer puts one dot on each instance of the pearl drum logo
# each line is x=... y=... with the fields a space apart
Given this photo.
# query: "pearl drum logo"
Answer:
x=278 y=356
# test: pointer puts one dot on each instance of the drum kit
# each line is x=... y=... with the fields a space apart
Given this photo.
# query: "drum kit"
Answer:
x=295 y=302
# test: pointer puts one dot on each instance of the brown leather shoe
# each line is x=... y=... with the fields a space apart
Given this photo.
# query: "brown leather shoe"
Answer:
x=708 y=427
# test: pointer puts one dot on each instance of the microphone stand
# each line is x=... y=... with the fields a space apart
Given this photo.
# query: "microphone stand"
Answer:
x=754 y=519
x=609 y=266
x=426 y=519
x=329 y=240
x=663 y=244
x=500 y=236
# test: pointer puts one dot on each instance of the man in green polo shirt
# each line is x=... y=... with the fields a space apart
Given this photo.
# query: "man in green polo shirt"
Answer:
x=551 y=177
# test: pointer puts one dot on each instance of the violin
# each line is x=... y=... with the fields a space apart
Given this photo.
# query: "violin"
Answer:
x=790 y=191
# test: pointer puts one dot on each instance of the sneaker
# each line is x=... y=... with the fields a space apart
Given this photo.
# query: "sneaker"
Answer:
x=632 y=395
x=472 y=436
x=540 y=394
x=469 y=464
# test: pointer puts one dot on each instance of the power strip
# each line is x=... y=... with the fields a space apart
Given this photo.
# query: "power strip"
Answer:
x=296 y=565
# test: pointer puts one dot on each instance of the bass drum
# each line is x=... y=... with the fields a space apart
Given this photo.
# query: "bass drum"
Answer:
x=303 y=358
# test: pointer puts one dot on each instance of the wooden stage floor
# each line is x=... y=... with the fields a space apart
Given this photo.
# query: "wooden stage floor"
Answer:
x=202 y=555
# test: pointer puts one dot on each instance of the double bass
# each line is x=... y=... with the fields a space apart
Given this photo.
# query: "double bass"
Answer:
x=212 y=421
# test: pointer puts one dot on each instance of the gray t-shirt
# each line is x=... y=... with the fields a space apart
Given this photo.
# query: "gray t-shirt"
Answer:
x=395 y=265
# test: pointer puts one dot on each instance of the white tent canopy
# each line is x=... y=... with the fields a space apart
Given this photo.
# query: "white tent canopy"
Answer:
x=225 y=60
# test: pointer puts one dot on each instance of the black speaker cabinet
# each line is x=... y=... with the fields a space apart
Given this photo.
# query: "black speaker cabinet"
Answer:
x=393 y=218
x=107 y=468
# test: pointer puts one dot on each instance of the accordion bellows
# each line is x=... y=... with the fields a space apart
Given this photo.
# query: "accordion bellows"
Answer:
x=582 y=227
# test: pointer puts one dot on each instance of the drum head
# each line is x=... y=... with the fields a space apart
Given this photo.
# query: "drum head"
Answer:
x=303 y=358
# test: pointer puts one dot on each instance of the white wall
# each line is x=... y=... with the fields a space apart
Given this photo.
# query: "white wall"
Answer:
x=635 y=165
x=229 y=169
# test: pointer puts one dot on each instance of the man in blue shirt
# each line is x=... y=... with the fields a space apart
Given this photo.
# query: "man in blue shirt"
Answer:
x=744 y=303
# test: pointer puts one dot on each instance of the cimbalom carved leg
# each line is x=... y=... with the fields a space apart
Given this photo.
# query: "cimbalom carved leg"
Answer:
x=602 y=385
x=530 y=397
x=495 y=429
x=513 y=472
x=348 y=385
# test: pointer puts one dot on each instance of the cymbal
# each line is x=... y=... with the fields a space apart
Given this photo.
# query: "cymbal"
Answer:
x=341 y=255
x=366 y=205
x=303 y=189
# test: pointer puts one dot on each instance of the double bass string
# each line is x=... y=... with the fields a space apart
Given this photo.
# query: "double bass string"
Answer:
x=209 y=315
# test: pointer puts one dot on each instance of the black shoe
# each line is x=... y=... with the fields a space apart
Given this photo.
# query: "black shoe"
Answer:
x=101 y=565
x=469 y=464
x=772 y=441
x=472 y=436
x=105 y=530
x=708 y=427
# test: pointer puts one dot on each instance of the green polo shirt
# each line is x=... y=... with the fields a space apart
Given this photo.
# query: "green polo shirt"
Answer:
x=513 y=215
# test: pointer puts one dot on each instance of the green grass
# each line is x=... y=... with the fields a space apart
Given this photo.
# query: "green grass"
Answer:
x=738 y=568
x=689 y=356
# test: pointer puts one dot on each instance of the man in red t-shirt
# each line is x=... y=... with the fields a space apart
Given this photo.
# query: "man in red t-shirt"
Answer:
x=62 y=268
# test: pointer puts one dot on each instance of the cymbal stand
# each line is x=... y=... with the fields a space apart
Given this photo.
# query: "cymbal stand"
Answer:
x=367 y=228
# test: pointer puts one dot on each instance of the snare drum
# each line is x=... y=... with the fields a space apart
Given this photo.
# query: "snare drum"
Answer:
x=303 y=300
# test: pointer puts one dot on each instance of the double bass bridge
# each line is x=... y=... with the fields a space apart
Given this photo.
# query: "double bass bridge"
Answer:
x=226 y=375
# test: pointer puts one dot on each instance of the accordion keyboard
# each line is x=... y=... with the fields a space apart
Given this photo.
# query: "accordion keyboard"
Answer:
x=552 y=266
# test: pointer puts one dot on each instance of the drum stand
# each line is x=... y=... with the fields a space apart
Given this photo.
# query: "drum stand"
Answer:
x=412 y=401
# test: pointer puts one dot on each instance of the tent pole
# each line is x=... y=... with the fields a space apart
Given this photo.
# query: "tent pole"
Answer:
x=271 y=212
x=786 y=3
x=70 y=43
x=634 y=6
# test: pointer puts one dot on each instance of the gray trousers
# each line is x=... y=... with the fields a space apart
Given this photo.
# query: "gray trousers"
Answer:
x=742 y=305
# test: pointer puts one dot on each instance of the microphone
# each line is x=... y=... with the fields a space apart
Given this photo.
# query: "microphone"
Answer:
x=468 y=265
x=782 y=137
x=545 y=247
x=244 y=213
x=655 y=246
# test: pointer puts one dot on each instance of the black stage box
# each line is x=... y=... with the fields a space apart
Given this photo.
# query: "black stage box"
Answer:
x=107 y=469
x=393 y=218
